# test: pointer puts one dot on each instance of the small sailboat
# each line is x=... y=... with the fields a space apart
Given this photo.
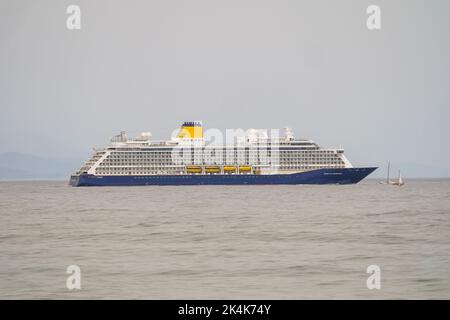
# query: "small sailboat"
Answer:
x=399 y=182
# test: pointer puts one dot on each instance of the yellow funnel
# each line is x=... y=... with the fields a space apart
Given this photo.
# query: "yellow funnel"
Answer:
x=191 y=130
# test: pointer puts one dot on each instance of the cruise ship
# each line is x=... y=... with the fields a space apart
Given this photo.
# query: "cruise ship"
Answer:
x=253 y=157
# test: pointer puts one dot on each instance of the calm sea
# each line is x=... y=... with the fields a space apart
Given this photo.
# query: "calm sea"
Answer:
x=230 y=242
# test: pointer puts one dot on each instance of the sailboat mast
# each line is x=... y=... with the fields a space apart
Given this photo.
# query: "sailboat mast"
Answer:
x=389 y=167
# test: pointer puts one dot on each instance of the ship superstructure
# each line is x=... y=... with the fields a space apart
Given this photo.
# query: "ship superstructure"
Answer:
x=252 y=157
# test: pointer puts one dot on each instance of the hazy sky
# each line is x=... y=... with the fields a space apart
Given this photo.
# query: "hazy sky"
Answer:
x=148 y=65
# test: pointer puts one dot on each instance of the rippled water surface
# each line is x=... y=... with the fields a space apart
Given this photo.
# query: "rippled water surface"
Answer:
x=188 y=242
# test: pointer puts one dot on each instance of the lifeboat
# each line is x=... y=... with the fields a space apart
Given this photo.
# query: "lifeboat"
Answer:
x=193 y=169
x=245 y=169
x=228 y=169
x=212 y=169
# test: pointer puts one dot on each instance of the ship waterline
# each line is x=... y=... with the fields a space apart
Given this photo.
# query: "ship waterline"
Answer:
x=188 y=159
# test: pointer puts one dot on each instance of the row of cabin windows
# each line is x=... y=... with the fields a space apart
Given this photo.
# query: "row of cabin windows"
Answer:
x=207 y=152
x=208 y=157
x=235 y=162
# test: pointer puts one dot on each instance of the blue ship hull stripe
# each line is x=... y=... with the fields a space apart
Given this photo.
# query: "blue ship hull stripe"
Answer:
x=319 y=176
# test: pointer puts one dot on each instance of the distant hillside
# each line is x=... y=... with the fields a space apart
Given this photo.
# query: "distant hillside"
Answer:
x=21 y=166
